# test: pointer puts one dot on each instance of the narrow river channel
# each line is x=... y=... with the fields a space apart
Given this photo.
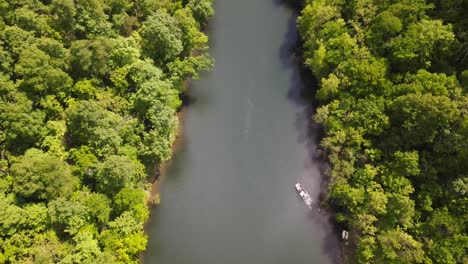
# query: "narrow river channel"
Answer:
x=228 y=195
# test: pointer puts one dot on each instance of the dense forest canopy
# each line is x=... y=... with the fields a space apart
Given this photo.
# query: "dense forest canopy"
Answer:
x=393 y=83
x=89 y=92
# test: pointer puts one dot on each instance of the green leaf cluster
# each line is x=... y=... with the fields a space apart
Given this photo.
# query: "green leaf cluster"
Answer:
x=392 y=100
x=89 y=92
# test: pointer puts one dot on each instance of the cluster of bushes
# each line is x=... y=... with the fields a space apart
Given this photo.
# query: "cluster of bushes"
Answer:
x=89 y=91
x=393 y=103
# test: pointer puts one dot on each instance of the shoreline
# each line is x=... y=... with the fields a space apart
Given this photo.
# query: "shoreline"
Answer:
x=307 y=95
x=160 y=172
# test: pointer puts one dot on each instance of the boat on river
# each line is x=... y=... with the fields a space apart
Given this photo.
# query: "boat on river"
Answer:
x=304 y=195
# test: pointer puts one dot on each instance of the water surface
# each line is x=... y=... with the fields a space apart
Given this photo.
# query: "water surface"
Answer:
x=228 y=195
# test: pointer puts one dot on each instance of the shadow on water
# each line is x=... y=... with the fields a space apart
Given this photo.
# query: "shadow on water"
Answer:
x=294 y=5
x=302 y=92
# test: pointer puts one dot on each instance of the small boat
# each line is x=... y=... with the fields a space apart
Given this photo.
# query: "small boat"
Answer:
x=303 y=193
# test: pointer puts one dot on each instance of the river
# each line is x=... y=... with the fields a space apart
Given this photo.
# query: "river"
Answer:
x=228 y=195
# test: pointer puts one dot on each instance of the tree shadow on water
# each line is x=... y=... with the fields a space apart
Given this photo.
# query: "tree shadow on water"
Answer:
x=301 y=93
x=294 y=5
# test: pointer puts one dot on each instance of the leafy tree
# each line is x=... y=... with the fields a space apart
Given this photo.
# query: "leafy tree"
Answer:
x=84 y=159
x=117 y=172
x=384 y=27
x=202 y=10
x=39 y=77
x=392 y=102
x=438 y=84
x=52 y=142
x=422 y=117
x=189 y=68
x=420 y=44
x=91 y=20
x=45 y=248
x=86 y=250
x=64 y=12
x=99 y=207
x=396 y=246
x=88 y=120
x=366 y=249
x=192 y=38
x=133 y=200
x=90 y=58
x=156 y=146
x=21 y=127
x=405 y=163
x=161 y=38
x=365 y=75
x=89 y=92
x=67 y=215
x=41 y=176
x=154 y=93
x=124 y=238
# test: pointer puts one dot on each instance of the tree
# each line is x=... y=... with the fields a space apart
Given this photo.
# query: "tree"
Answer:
x=117 y=172
x=202 y=10
x=28 y=19
x=366 y=249
x=41 y=176
x=384 y=27
x=64 y=11
x=88 y=120
x=132 y=200
x=91 y=21
x=99 y=207
x=87 y=251
x=45 y=248
x=42 y=69
x=189 y=68
x=438 y=84
x=124 y=238
x=192 y=37
x=154 y=93
x=331 y=53
x=405 y=163
x=364 y=75
x=161 y=38
x=400 y=212
x=53 y=139
x=67 y=215
x=421 y=44
x=157 y=146
x=370 y=115
x=397 y=246
x=90 y=58
x=21 y=126
x=393 y=114
x=84 y=159
x=420 y=118
x=89 y=94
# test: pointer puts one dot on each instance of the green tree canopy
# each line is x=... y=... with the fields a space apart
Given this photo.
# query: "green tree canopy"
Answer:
x=41 y=176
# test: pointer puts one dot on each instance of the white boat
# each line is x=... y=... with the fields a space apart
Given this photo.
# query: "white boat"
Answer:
x=304 y=194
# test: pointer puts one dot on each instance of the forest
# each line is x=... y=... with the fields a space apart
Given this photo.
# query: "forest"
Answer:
x=89 y=92
x=392 y=100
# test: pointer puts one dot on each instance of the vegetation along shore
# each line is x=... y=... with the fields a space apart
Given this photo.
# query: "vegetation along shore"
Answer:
x=89 y=93
x=393 y=78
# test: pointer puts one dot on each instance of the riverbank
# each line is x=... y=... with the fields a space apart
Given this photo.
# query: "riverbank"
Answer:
x=391 y=102
x=306 y=95
x=89 y=106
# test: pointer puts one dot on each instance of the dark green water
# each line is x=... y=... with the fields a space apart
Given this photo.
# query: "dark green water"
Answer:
x=228 y=196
